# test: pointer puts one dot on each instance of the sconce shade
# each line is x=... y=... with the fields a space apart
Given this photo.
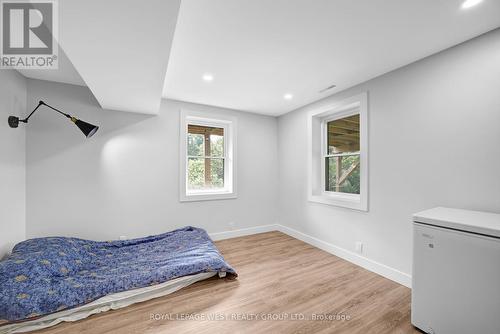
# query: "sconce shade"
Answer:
x=87 y=128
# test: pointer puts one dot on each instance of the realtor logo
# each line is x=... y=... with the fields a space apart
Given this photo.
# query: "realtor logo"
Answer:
x=29 y=32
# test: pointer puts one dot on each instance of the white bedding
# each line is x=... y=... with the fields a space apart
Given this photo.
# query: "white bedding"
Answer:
x=110 y=302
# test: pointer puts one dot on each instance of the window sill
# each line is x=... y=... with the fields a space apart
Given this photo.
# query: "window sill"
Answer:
x=207 y=196
x=348 y=202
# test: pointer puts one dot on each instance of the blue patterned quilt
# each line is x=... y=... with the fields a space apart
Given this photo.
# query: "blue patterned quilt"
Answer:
x=47 y=275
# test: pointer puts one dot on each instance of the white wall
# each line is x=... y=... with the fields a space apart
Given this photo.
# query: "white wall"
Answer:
x=12 y=161
x=434 y=138
x=124 y=180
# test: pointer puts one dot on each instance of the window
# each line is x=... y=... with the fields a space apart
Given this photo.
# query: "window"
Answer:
x=341 y=155
x=207 y=157
x=338 y=154
x=205 y=150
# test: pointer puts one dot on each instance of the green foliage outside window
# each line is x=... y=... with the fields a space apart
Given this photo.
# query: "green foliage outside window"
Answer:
x=351 y=185
x=198 y=161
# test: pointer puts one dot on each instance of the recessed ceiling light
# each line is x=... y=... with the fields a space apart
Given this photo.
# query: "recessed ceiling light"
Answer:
x=470 y=3
x=288 y=96
x=208 y=77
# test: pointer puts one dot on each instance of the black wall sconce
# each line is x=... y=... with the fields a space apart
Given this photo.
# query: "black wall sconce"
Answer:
x=88 y=129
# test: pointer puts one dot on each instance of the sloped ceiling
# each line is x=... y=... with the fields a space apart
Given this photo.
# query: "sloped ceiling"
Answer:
x=257 y=51
x=118 y=48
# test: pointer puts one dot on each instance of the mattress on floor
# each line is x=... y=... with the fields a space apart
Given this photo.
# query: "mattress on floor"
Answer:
x=110 y=302
x=48 y=275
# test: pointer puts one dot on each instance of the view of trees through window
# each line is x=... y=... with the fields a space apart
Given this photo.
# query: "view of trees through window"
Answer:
x=205 y=150
x=342 y=159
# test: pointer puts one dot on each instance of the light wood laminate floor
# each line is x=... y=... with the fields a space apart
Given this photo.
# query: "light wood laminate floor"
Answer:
x=278 y=276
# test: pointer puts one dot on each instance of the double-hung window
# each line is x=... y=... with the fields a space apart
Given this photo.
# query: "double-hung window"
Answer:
x=207 y=157
x=205 y=154
x=341 y=152
x=338 y=154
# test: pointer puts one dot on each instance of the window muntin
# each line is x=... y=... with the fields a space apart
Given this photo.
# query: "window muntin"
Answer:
x=341 y=156
x=324 y=149
x=206 y=159
x=207 y=163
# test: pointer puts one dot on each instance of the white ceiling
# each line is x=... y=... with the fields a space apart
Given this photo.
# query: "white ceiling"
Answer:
x=256 y=50
x=259 y=50
x=66 y=72
x=118 y=48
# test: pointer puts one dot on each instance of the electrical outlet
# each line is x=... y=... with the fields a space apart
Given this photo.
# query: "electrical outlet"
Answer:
x=232 y=225
x=358 y=247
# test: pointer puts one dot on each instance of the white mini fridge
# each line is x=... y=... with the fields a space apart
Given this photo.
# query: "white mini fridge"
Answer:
x=456 y=272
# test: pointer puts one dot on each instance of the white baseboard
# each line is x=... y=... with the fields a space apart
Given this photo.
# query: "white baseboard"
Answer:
x=371 y=265
x=242 y=232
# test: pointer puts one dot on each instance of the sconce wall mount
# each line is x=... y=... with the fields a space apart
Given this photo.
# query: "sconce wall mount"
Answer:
x=88 y=129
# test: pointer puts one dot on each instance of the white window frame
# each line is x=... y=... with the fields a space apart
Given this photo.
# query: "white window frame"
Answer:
x=317 y=150
x=211 y=120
